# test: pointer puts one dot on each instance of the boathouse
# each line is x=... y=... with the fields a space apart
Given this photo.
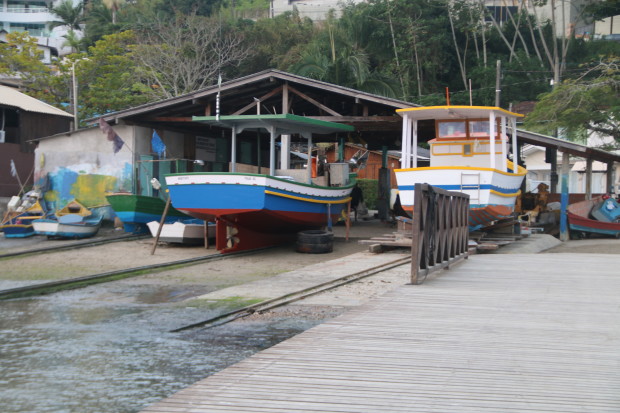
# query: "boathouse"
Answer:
x=83 y=165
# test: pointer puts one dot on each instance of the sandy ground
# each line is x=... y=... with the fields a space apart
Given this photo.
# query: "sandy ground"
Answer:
x=203 y=278
x=137 y=253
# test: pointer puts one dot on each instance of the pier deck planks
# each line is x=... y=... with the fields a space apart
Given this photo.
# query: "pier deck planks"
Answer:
x=509 y=333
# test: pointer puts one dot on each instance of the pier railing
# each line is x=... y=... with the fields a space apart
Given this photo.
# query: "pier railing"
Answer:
x=440 y=230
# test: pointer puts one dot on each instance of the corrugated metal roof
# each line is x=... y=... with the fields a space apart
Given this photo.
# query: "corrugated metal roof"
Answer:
x=14 y=98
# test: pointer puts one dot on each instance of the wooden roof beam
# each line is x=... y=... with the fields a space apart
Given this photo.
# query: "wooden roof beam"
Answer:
x=253 y=104
x=314 y=102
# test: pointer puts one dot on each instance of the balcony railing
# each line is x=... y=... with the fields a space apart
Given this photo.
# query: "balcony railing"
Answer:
x=11 y=9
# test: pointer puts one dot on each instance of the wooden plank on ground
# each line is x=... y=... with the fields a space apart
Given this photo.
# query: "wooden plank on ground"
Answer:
x=496 y=333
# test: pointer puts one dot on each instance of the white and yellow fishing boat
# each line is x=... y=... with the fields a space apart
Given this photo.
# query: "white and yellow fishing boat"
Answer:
x=469 y=154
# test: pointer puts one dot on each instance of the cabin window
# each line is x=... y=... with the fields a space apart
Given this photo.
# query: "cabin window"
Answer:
x=467 y=149
x=452 y=129
x=478 y=128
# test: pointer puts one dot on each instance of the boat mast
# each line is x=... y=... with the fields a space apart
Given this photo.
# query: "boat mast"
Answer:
x=492 y=139
x=504 y=142
x=233 y=149
x=515 y=157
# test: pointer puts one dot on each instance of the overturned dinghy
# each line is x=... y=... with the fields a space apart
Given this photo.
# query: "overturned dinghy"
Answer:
x=191 y=232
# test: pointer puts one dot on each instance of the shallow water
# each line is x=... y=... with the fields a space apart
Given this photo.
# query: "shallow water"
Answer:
x=108 y=348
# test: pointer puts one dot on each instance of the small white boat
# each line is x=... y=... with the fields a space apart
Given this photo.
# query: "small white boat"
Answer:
x=183 y=232
x=68 y=226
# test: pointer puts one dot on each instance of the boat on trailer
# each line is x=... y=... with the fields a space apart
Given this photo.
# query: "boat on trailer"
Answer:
x=253 y=210
x=468 y=153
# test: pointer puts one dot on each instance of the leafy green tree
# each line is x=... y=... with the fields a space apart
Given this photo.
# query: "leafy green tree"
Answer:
x=337 y=57
x=21 y=58
x=589 y=103
x=109 y=77
x=276 y=42
x=187 y=7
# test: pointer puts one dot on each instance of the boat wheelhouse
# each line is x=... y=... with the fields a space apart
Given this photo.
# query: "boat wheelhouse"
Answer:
x=254 y=209
x=468 y=153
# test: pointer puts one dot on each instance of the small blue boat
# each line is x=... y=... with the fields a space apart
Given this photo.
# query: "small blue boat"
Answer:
x=73 y=221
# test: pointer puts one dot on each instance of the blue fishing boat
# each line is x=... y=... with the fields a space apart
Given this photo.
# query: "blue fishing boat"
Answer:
x=253 y=210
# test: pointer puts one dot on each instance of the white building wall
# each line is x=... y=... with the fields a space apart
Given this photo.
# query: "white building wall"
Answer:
x=316 y=10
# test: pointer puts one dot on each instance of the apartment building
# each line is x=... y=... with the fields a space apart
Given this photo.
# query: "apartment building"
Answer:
x=34 y=16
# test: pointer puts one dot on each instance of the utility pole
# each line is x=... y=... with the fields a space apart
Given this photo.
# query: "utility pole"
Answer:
x=498 y=91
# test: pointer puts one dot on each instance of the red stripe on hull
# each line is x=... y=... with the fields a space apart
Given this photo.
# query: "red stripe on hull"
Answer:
x=264 y=220
x=483 y=215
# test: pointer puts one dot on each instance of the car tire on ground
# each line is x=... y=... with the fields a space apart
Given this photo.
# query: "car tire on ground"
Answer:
x=315 y=242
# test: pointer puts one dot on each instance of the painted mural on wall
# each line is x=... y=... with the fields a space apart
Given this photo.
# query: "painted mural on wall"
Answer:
x=82 y=167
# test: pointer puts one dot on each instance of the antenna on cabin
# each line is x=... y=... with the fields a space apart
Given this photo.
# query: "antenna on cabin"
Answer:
x=471 y=101
x=447 y=96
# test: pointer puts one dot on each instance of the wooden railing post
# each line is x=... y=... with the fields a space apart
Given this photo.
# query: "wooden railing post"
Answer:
x=440 y=230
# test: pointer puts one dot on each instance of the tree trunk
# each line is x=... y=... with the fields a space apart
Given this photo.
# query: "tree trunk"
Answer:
x=456 y=48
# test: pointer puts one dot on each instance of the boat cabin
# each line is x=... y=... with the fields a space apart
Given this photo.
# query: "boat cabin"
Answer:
x=277 y=127
x=462 y=136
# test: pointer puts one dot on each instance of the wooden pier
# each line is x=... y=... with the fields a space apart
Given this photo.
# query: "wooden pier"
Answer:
x=496 y=333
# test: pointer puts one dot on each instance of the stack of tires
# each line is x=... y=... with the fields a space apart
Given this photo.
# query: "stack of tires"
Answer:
x=315 y=242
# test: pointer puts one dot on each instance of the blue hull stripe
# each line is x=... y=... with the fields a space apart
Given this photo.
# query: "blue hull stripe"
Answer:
x=595 y=230
x=459 y=188
x=245 y=197
x=144 y=218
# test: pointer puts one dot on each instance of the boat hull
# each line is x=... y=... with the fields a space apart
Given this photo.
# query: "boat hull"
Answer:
x=18 y=230
x=136 y=211
x=189 y=233
x=264 y=210
x=55 y=229
x=579 y=220
x=492 y=193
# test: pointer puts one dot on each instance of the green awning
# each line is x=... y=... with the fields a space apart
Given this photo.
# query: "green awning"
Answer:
x=284 y=124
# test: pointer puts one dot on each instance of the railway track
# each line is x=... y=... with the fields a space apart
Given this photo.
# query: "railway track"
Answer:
x=80 y=282
x=73 y=245
x=292 y=297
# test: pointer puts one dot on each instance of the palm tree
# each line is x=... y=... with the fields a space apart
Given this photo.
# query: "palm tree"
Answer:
x=338 y=58
x=73 y=40
x=70 y=16
x=113 y=5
